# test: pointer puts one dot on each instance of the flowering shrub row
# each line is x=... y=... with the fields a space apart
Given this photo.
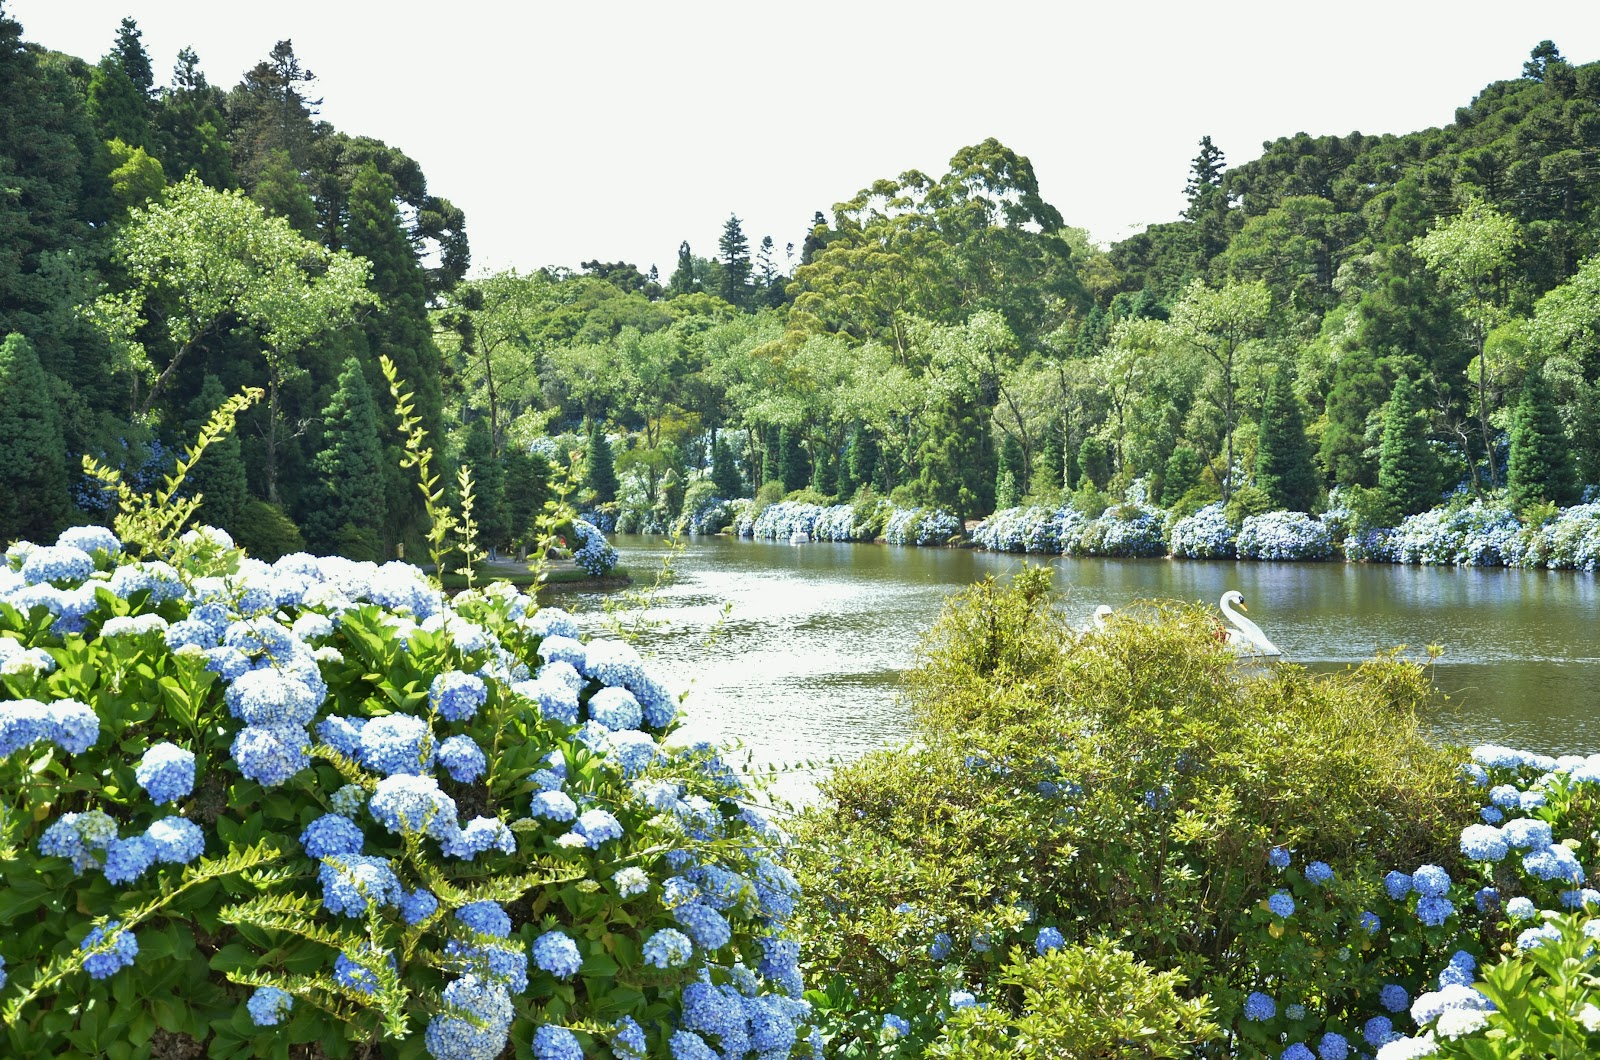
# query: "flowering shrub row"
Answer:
x=840 y=522
x=263 y=805
x=594 y=553
x=921 y=526
x=1478 y=533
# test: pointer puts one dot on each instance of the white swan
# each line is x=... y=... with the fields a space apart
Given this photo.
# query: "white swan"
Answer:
x=1097 y=623
x=1247 y=638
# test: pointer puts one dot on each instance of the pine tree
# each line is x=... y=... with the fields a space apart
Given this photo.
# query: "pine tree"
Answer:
x=1182 y=475
x=191 y=128
x=119 y=110
x=134 y=60
x=816 y=239
x=600 y=471
x=1541 y=463
x=33 y=466
x=350 y=510
x=683 y=280
x=1408 y=475
x=771 y=466
x=1012 y=480
x=725 y=471
x=792 y=466
x=1284 y=471
x=956 y=458
x=1094 y=462
x=1050 y=466
x=219 y=477
x=733 y=251
x=1358 y=389
x=824 y=478
x=488 y=487
x=864 y=457
x=281 y=191
x=526 y=491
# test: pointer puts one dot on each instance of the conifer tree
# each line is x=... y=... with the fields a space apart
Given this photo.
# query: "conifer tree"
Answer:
x=600 y=474
x=1541 y=463
x=219 y=477
x=350 y=510
x=824 y=479
x=792 y=467
x=488 y=487
x=957 y=462
x=134 y=60
x=1182 y=475
x=1408 y=476
x=733 y=251
x=1012 y=480
x=119 y=110
x=725 y=471
x=864 y=457
x=683 y=280
x=527 y=489
x=1049 y=468
x=1284 y=471
x=1094 y=462
x=191 y=127
x=281 y=191
x=771 y=466
x=33 y=469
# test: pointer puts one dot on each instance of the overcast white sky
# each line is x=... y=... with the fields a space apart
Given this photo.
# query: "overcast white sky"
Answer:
x=575 y=130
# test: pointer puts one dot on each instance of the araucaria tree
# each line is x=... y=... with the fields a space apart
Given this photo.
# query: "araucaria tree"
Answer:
x=1541 y=466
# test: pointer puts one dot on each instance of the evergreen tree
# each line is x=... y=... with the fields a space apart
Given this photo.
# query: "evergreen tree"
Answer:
x=1049 y=469
x=600 y=471
x=526 y=491
x=1541 y=463
x=134 y=60
x=1182 y=475
x=1012 y=479
x=1284 y=471
x=792 y=466
x=33 y=467
x=771 y=465
x=219 y=477
x=816 y=239
x=191 y=128
x=733 y=251
x=957 y=463
x=864 y=457
x=1408 y=475
x=824 y=478
x=1094 y=462
x=725 y=471
x=119 y=110
x=488 y=487
x=1358 y=390
x=683 y=280
x=272 y=110
x=280 y=190
x=350 y=510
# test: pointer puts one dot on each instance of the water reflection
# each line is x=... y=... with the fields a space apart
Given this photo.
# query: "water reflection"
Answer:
x=808 y=662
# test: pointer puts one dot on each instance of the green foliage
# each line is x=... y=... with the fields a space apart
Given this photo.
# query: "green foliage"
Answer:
x=1182 y=475
x=1093 y=1001
x=1094 y=462
x=600 y=475
x=1011 y=483
x=793 y=469
x=1127 y=784
x=33 y=472
x=1247 y=501
x=1407 y=471
x=1284 y=471
x=350 y=509
x=1541 y=467
x=725 y=471
x=265 y=531
x=527 y=491
x=219 y=478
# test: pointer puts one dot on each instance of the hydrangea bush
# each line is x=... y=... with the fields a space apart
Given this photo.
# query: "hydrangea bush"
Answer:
x=594 y=553
x=921 y=526
x=1284 y=535
x=1474 y=534
x=1122 y=530
x=1203 y=535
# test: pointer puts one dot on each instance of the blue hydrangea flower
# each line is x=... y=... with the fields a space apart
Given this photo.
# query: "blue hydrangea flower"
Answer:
x=90 y=539
x=616 y=709
x=1538 y=936
x=1278 y=857
x=123 y=949
x=342 y=734
x=462 y=759
x=350 y=881
x=269 y=1005
x=598 y=826
x=1580 y=898
x=557 y=954
x=271 y=754
x=553 y=805
x=1527 y=833
x=331 y=834
x=1482 y=842
x=627 y=1039
x=1394 y=998
x=1048 y=939
x=1433 y=911
x=56 y=565
x=556 y=1043
x=349 y=801
x=667 y=948
x=1370 y=922
x=894 y=1027
x=939 y=948
x=1298 y=1051
x=1398 y=884
x=417 y=906
x=551 y=622
x=457 y=696
x=273 y=696
x=1318 y=872
x=452 y=1035
x=397 y=743
x=1259 y=1007
x=1491 y=815
x=1430 y=881
x=960 y=999
x=1486 y=899
x=632 y=751
x=1379 y=1030
x=1281 y=904
x=687 y=1045
x=175 y=841
x=405 y=803
x=486 y=918
x=705 y=925
x=128 y=859
x=1554 y=862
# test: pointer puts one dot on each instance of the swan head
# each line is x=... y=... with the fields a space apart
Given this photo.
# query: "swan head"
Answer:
x=1233 y=596
x=1103 y=612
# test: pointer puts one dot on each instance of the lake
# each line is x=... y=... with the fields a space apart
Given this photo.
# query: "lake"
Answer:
x=808 y=661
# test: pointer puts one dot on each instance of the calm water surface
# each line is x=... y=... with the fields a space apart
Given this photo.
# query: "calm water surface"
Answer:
x=808 y=663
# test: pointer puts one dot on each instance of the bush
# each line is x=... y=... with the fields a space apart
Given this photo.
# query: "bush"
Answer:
x=265 y=532
x=1125 y=530
x=594 y=553
x=1132 y=784
x=1474 y=534
x=921 y=526
x=1203 y=535
x=1284 y=535
x=703 y=511
x=1245 y=502
x=254 y=806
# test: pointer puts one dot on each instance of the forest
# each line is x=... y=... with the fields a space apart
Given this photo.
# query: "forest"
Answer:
x=1375 y=321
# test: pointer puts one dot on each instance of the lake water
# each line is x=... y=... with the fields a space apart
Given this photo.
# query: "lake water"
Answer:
x=807 y=663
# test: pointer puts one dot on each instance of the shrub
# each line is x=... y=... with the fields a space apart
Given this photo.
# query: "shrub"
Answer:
x=780 y=521
x=1474 y=534
x=264 y=531
x=921 y=526
x=594 y=553
x=1124 y=530
x=1284 y=535
x=703 y=511
x=314 y=801
x=1203 y=535
x=1133 y=784
x=1245 y=502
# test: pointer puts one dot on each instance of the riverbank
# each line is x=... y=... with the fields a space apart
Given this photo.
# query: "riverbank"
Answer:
x=563 y=576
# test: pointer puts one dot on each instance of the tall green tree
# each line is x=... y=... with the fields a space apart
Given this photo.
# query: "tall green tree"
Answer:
x=272 y=109
x=1357 y=394
x=351 y=508
x=733 y=251
x=33 y=472
x=725 y=470
x=120 y=111
x=1182 y=475
x=1541 y=467
x=526 y=491
x=1094 y=462
x=488 y=487
x=1011 y=481
x=1408 y=473
x=1284 y=471
x=134 y=60
x=792 y=466
x=600 y=472
x=191 y=127
x=956 y=459
x=864 y=457
x=683 y=279
x=824 y=473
